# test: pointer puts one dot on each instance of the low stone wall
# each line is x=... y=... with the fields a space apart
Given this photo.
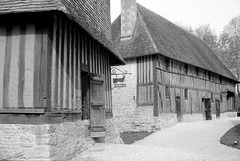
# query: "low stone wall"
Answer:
x=165 y=120
x=227 y=114
x=193 y=117
x=200 y=117
x=52 y=141
x=142 y=120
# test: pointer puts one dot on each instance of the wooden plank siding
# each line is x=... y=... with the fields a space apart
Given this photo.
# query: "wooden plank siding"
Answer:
x=17 y=41
x=78 y=52
x=41 y=63
x=198 y=83
x=145 y=80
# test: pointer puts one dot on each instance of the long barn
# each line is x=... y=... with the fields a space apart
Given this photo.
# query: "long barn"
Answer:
x=170 y=75
x=55 y=90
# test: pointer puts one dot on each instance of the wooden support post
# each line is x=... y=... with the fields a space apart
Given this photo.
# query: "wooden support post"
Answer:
x=155 y=87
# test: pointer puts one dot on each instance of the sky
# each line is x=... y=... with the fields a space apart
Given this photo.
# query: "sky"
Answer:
x=193 y=13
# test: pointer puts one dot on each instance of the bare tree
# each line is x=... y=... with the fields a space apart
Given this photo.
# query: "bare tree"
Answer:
x=226 y=46
x=205 y=33
x=185 y=27
x=208 y=35
x=229 y=44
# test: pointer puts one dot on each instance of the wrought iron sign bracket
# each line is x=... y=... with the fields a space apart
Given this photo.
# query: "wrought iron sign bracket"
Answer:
x=118 y=77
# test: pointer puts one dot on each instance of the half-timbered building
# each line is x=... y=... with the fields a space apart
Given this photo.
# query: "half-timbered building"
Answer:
x=55 y=90
x=170 y=75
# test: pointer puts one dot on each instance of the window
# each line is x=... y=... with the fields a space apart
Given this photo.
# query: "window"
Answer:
x=186 y=68
x=186 y=93
x=209 y=75
x=167 y=63
x=205 y=74
x=197 y=71
x=167 y=92
x=220 y=79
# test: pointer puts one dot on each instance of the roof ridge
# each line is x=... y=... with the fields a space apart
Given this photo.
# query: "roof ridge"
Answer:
x=172 y=23
x=176 y=43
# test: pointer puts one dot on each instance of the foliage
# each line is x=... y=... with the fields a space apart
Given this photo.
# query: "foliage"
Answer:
x=229 y=44
x=208 y=35
x=226 y=46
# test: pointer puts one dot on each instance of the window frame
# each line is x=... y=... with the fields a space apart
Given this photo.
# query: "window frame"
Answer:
x=167 y=92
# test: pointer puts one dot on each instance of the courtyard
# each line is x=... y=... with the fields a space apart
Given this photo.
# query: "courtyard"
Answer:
x=184 y=141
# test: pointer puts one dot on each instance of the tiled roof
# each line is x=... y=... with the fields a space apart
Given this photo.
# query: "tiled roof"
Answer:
x=68 y=7
x=160 y=36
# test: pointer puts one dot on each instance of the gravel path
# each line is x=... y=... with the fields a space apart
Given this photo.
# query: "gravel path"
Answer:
x=198 y=141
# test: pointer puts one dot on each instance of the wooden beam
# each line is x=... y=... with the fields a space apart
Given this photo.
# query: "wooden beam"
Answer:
x=22 y=111
x=155 y=87
x=2 y=59
x=61 y=62
x=21 y=65
x=7 y=61
x=55 y=53
x=48 y=83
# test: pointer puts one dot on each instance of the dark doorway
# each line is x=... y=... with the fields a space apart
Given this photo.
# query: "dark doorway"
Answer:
x=217 y=104
x=208 y=109
x=178 y=108
x=85 y=94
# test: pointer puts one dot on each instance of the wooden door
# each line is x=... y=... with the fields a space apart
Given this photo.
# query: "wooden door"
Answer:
x=97 y=106
x=208 y=109
x=217 y=104
x=85 y=80
x=178 y=109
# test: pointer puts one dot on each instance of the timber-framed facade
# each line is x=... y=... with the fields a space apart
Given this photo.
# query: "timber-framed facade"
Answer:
x=175 y=76
x=55 y=90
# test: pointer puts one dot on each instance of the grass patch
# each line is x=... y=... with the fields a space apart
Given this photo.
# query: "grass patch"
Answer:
x=231 y=136
x=131 y=137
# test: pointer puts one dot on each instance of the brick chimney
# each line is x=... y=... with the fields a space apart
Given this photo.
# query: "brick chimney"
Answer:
x=128 y=18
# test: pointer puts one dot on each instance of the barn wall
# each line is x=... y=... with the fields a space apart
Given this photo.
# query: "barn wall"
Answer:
x=21 y=51
x=74 y=50
x=173 y=79
x=40 y=87
x=131 y=109
x=145 y=81
x=41 y=65
x=192 y=84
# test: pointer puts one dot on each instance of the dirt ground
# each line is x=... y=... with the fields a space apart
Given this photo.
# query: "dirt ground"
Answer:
x=197 y=141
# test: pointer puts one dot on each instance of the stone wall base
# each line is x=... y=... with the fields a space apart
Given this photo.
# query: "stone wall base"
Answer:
x=165 y=120
x=148 y=123
x=193 y=117
x=226 y=115
x=52 y=141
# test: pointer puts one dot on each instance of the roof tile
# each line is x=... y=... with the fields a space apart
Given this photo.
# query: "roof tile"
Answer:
x=170 y=41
